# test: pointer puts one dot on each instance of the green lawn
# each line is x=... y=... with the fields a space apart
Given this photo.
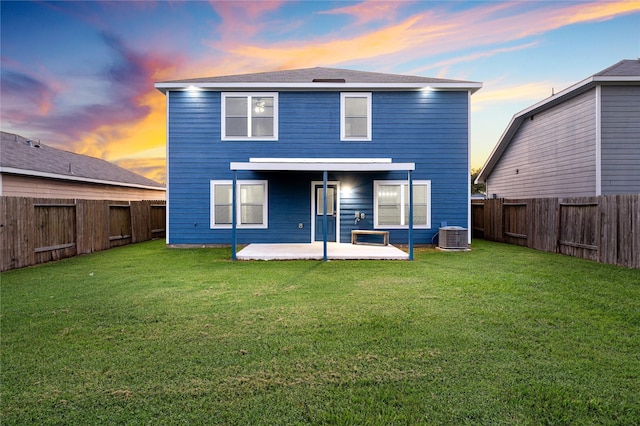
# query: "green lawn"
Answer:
x=148 y=335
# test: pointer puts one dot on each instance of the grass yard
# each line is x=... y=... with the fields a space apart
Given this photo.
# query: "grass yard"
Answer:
x=147 y=335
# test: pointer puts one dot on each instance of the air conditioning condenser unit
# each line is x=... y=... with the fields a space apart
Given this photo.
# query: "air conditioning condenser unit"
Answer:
x=453 y=237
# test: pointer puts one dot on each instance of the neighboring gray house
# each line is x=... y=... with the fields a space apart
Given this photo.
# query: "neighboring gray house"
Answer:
x=582 y=141
x=31 y=169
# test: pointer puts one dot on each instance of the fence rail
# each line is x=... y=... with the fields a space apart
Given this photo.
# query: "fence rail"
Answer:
x=38 y=230
x=605 y=228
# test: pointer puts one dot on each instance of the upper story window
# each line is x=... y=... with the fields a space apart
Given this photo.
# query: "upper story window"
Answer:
x=355 y=116
x=247 y=116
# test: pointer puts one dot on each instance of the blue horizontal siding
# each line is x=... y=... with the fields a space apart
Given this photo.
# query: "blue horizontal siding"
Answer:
x=427 y=128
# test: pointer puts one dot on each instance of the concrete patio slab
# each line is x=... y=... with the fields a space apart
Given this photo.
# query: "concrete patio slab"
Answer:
x=314 y=251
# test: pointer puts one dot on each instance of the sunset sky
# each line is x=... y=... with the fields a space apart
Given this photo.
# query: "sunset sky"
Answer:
x=79 y=75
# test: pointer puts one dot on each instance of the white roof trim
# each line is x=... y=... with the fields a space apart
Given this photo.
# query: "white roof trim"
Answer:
x=33 y=173
x=577 y=89
x=325 y=164
x=164 y=87
x=320 y=160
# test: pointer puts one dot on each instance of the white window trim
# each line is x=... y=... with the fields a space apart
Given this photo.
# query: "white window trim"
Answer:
x=345 y=95
x=223 y=114
x=239 y=224
x=402 y=203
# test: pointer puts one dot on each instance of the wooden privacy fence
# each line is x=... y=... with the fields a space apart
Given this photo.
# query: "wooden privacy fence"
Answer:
x=605 y=228
x=37 y=230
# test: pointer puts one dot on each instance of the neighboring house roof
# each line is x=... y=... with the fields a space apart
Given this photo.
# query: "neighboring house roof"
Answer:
x=22 y=156
x=625 y=72
x=319 y=79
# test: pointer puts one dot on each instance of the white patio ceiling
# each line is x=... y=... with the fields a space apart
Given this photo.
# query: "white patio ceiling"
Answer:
x=322 y=164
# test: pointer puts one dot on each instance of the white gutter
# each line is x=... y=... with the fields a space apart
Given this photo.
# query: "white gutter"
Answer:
x=164 y=87
x=32 y=173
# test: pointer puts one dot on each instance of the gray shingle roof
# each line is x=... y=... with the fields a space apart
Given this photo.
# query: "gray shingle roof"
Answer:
x=626 y=67
x=17 y=152
x=319 y=78
x=307 y=75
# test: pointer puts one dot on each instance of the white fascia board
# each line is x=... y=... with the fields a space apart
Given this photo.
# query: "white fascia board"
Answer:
x=320 y=160
x=32 y=173
x=579 y=88
x=551 y=100
x=472 y=86
x=321 y=167
x=617 y=79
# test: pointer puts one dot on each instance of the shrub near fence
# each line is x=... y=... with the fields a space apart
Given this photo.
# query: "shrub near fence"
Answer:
x=37 y=230
x=605 y=228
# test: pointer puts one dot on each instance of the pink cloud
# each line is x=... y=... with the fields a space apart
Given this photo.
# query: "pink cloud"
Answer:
x=242 y=19
x=369 y=11
x=472 y=57
x=386 y=41
x=420 y=35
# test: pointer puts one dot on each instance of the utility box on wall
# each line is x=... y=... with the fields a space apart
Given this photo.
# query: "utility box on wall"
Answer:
x=453 y=237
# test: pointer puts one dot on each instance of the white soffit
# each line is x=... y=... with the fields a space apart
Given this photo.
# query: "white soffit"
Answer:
x=323 y=164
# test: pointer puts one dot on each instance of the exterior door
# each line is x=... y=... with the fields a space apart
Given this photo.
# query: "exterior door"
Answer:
x=332 y=201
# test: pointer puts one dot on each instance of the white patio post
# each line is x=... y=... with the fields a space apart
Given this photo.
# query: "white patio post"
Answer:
x=324 y=214
x=234 y=236
x=410 y=215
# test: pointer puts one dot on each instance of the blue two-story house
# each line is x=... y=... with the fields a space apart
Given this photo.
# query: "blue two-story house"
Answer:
x=314 y=154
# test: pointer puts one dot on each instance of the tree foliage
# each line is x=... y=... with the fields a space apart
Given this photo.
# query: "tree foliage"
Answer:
x=480 y=188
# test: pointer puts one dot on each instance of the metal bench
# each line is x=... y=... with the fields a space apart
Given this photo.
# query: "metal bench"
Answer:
x=356 y=232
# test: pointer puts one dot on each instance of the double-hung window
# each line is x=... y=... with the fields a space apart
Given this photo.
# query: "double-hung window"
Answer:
x=248 y=116
x=355 y=116
x=391 y=204
x=251 y=204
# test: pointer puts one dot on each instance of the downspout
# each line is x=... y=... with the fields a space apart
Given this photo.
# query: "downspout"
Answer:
x=469 y=168
x=166 y=194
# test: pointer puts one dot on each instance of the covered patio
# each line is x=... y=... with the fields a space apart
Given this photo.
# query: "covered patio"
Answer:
x=320 y=250
x=315 y=251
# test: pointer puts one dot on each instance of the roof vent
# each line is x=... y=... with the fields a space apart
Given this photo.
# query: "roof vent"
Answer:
x=32 y=143
x=329 y=80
